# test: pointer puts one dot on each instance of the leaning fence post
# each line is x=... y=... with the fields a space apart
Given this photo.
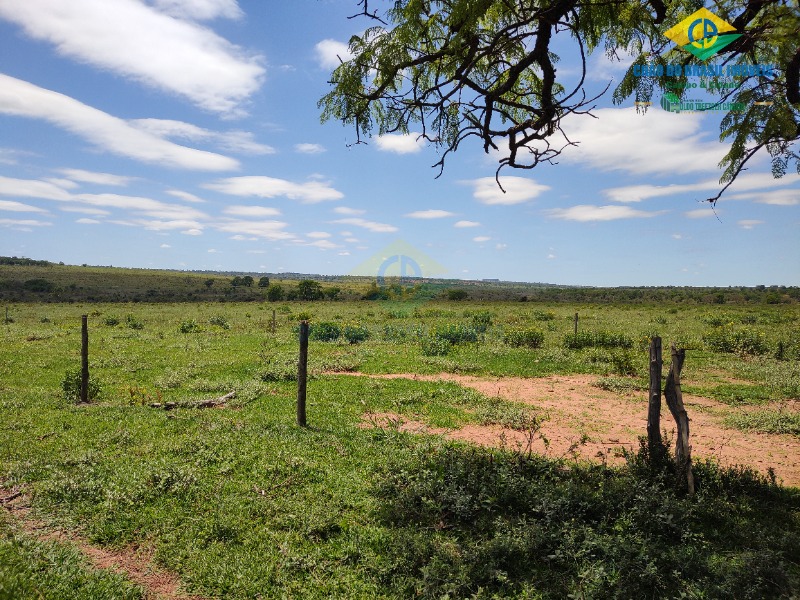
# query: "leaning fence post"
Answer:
x=654 y=443
x=84 y=358
x=302 y=374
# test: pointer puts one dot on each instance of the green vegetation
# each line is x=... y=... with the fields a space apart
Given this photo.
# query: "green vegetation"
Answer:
x=239 y=502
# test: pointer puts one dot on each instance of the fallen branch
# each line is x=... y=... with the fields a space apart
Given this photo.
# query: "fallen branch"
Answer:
x=214 y=402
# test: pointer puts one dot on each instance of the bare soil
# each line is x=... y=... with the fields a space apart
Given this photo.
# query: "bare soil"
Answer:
x=135 y=563
x=576 y=409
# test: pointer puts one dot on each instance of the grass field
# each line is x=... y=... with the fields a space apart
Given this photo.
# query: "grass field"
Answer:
x=241 y=503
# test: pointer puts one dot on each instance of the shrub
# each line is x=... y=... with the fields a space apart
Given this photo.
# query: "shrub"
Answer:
x=540 y=315
x=355 y=333
x=481 y=321
x=111 y=321
x=597 y=339
x=435 y=346
x=71 y=386
x=219 y=321
x=527 y=336
x=133 y=323
x=457 y=295
x=189 y=326
x=324 y=332
x=455 y=333
x=742 y=341
x=393 y=333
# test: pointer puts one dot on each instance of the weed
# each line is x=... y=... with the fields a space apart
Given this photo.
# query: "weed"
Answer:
x=219 y=321
x=324 y=332
x=435 y=346
x=528 y=337
x=355 y=333
x=597 y=339
x=189 y=326
x=71 y=387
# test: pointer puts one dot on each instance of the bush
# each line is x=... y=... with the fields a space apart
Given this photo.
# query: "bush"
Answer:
x=355 y=333
x=434 y=346
x=741 y=341
x=133 y=323
x=532 y=338
x=597 y=339
x=540 y=315
x=219 y=321
x=455 y=333
x=189 y=326
x=481 y=321
x=71 y=386
x=111 y=321
x=324 y=332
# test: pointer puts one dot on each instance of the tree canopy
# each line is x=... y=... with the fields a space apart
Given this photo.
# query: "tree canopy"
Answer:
x=457 y=69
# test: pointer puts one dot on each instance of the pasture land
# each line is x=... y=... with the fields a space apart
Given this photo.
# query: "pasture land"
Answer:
x=386 y=494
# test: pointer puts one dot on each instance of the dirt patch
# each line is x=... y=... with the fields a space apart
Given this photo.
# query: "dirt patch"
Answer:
x=577 y=409
x=135 y=563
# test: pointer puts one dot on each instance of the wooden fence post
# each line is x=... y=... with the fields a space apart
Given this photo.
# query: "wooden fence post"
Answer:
x=84 y=358
x=674 y=398
x=302 y=374
x=654 y=442
x=576 y=325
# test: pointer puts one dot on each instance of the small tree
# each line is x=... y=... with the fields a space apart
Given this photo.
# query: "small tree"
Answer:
x=274 y=292
x=456 y=294
x=263 y=282
x=236 y=281
x=309 y=289
x=247 y=281
x=209 y=283
x=332 y=293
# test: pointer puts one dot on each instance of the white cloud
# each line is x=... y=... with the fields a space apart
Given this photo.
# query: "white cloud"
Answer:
x=251 y=211
x=270 y=187
x=309 y=148
x=11 y=206
x=200 y=10
x=241 y=142
x=501 y=246
x=430 y=214
x=400 y=143
x=98 y=178
x=551 y=256
x=32 y=188
x=88 y=221
x=20 y=98
x=324 y=244
x=745 y=182
x=145 y=206
x=589 y=212
x=330 y=53
x=369 y=225
x=270 y=230
x=789 y=197
x=701 y=213
x=23 y=223
x=319 y=234
x=135 y=40
x=344 y=210
x=657 y=142
x=212 y=251
x=85 y=210
x=749 y=223
x=185 y=196
x=481 y=238
x=461 y=224
x=165 y=246
x=517 y=190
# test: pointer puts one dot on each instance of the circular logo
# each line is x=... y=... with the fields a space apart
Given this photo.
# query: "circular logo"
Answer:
x=408 y=267
x=709 y=33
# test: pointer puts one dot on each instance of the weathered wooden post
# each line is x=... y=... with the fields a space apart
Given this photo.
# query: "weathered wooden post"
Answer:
x=84 y=358
x=302 y=374
x=654 y=443
x=674 y=398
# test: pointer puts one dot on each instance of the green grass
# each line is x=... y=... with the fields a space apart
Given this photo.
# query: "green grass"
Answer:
x=241 y=502
x=766 y=421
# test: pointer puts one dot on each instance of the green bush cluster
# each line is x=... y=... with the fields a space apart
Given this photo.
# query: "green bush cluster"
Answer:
x=455 y=333
x=597 y=339
x=324 y=331
x=524 y=336
x=71 y=386
x=355 y=333
x=739 y=340
x=189 y=326
x=435 y=346
x=219 y=321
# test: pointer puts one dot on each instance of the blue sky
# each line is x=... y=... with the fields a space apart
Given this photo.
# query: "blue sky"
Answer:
x=185 y=134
